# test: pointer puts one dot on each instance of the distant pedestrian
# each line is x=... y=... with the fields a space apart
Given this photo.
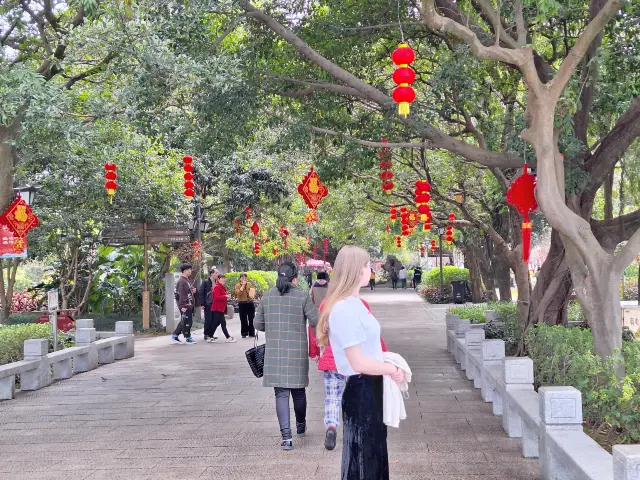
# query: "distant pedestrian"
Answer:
x=417 y=277
x=245 y=294
x=320 y=288
x=309 y=278
x=402 y=276
x=184 y=296
x=372 y=280
x=394 y=279
x=206 y=295
x=283 y=315
x=219 y=309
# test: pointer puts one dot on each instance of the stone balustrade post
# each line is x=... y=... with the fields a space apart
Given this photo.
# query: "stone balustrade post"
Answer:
x=473 y=341
x=450 y=319
x=39 y=377
x=560 y=409
x=626 y=462
x=124 y=350
x=87 y=361
x=491 y=316
x=517 y=375
x=492 y=354
x=460 y=329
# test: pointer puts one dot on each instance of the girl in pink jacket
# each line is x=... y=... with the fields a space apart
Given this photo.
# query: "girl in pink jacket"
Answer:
x=333 y=385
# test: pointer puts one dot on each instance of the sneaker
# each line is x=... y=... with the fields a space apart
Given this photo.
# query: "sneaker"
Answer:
x=287 y=445
x=330 y=438
x=301 y=429
x=206 y=338
x=231 y=340
x=175 y=339
x=211 y=340
x=190 y=341
x=244 y=336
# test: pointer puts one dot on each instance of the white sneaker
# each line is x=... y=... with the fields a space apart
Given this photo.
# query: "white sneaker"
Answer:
x=231 y=340
x=212 y=340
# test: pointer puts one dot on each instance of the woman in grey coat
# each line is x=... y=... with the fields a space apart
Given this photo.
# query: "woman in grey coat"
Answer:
x=283 y=315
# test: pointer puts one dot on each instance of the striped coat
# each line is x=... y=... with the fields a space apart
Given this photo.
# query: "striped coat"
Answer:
x=284 y=319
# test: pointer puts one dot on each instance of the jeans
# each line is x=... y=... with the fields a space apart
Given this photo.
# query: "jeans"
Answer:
x=333 y=387
x=219 y=321
x=404 y=283
x=282 y=408
x=394 y=284
x=208 y=322
x=247 y=314
x=184 y=327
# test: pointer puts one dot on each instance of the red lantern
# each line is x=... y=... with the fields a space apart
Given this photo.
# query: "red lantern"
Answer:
x=284 y=234
x=275 y=252
x=399 y=242
x=325 y=247
x=422 y=199
x=452 y=217
x=393 y=214
x=521 y=195
x=255 y=228
x=433 y=246
x=256 y=248
x=189 y=186
x=248 y=213
x=403 y=76
x=110 y=175
x=386 y=175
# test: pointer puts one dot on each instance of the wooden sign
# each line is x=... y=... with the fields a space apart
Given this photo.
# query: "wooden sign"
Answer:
x=631 y=318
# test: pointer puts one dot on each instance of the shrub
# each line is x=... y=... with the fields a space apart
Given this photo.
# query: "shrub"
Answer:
x=25 y=302
x=566 y=356
x=475 y=313
x=12 y=340
x=449 y=273
x=433 y=295
x=255 y=277
x=574 y=312
x=22 y=318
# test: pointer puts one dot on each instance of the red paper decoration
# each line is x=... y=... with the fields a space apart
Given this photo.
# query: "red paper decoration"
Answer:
x=310 y=217
x=110 y=176
x=399 y=242
x=312 y=189
x=255 y=229
x=275 y=251
x=521 y=195
x=256 y=248
x=196 y=251
x=189 y=186
x=325 y=247
x=393 y=214
x=284 y=234
x=433 y=246
x=386 y=175
x=403 y=76
x=18 y=218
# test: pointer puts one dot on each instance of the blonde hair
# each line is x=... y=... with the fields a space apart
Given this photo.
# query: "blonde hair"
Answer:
x=344 y=280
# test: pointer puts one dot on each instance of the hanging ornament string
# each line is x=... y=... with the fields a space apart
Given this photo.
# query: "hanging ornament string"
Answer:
x=400 y=23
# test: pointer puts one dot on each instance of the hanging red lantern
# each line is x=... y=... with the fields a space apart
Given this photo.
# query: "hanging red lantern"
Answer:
x=452 y=217
x=312 y=191
x=255 y=229
x=399 y=242
x=284 y=234
x=403 y=76
x=256 y=248
x=386 y=175
x=422 y=198
x=248 y=213
x=275 y=252
x=110 y=176
x=325 y=247
x=393 y=214
x=521 y=195
x=433 y=246
x=189 y=186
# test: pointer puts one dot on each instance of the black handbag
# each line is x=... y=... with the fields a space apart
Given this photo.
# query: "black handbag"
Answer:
x=255 y=357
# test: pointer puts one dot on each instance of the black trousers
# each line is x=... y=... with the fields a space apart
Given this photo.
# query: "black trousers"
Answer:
x=404 y=283
x=186 y=321
x=364 y=448
x=282 y=408
x=208 y=322
x=372 y=284
x=394 y=284
x=417 y=282
x=247 y=314
x=219 y=321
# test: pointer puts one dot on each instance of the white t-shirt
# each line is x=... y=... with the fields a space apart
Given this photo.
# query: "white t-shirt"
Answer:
x=350 y=324
x=402 y=275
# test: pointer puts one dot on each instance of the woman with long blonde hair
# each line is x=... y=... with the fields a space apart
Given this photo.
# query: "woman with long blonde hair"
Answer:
x=354 y=334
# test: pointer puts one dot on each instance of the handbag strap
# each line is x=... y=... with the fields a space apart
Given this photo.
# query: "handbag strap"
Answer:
x=255 y=341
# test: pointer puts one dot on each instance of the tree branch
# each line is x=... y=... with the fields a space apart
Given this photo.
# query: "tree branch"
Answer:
x=368 y=143
x=496 y=22
x=520 y=25
x=627 y=254
x=99 y=68
x=581 y=46
x=315 y=86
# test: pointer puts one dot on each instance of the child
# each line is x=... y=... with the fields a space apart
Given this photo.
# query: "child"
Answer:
x=333 y=385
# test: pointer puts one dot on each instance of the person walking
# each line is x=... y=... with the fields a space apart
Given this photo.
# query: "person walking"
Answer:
x=417 y=277
x=320 y=288
x=206 y=296
x=394 y=279
x=372 y=280
x=283 y=315
x=245 y=294
x=354 y=335
x=184 y=296
x=333 y=385
x=402 y=276
x=219 y=310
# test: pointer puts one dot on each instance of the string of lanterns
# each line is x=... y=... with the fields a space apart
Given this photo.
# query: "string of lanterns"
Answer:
x=110 y=176
x=189 y=186
x=403 y=77
x=386 y=175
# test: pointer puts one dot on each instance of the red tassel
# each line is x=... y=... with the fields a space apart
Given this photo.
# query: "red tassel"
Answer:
x=526 y=237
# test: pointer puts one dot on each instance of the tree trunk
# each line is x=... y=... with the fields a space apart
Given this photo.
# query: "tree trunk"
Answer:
x=488 y=278
x=608 y=197
x=638 y=283
x=7 y=153
x=471 y=262
x=6 y=287
x=503 y=277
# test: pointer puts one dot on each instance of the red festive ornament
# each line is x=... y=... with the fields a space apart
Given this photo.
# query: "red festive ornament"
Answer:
x=413 y=217
x=422 y=199
x=312 y=189
x=433 y=246
x=399 y=242
x=325 y=247
x=521 y=195
x=189 y=186
x=275 y=252
x=386 y=175
x=284 y=234
x=256 y=248
x=393 y=214
x=403 y=76
x=452 y=217
x=248 y=213
x=255 y=228
x=18 y=218
x=310 y=217
x=238 y=226
x=196 y=251
x=110 y=175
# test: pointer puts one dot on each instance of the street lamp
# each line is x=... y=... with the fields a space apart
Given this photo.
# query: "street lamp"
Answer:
x=28 y=193
x=440 y=233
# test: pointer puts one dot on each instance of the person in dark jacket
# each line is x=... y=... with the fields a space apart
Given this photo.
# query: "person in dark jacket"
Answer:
x=417 y=277
x=320 y=288
x=184 y=296
x=219 y=309
x=206 y=299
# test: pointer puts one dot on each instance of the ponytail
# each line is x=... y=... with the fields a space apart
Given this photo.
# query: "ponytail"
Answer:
x=287 y=272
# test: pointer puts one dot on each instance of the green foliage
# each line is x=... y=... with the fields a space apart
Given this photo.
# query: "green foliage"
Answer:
x=574 y=312
x=12 y=340
x=450 y=273
x=475 y=313
x=566 y=356
x=257 y=278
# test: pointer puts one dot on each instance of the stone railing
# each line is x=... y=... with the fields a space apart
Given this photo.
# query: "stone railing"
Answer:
x=40 y=368
x=548 y=421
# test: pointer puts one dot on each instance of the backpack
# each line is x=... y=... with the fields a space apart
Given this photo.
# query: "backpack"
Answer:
x=175 y=293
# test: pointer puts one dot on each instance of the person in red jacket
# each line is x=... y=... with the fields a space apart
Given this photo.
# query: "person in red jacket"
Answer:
x=219 y=309
x=333 y=385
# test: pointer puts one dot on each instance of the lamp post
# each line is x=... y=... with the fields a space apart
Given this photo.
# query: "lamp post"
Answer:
x=440 y=233
x=28 y=193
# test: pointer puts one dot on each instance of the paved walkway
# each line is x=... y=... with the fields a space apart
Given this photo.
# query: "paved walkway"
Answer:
x=196 y=412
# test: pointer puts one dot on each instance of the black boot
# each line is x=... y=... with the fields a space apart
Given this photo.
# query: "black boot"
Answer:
x=301 y=429
x=330 y=438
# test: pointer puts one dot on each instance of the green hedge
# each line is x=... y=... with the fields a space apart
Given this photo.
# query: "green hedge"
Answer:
x=12 y=339
x=257 y=278
x=475 y=313
x=450 y=273
x=566 y=356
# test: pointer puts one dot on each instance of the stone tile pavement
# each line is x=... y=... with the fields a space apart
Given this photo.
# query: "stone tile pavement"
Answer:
x=196 y=412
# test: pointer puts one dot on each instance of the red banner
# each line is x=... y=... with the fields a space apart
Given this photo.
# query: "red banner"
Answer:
x=10 y=245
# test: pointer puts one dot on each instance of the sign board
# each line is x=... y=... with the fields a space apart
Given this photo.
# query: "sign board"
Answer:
x=133 y=234
x=52 y=300
x=631 y=318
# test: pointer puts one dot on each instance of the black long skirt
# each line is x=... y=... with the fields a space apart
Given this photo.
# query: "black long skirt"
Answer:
x=364 y=453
